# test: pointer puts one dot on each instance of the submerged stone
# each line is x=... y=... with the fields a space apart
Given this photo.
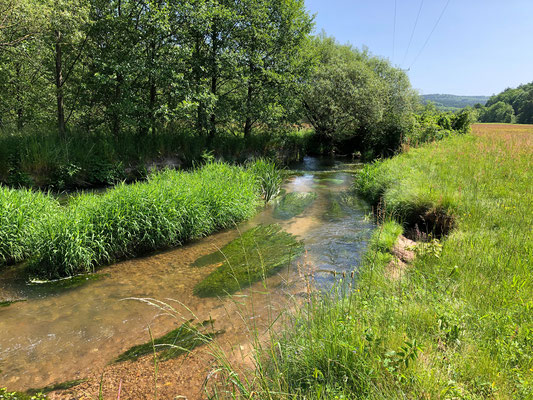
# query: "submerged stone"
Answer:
x=255 y=255
x=293 y=204
x=176 y=342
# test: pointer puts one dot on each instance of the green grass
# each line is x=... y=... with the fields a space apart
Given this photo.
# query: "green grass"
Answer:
x=458 y=323
x=40 y=158
x=269 y=176
x=6 y=395
x=130 y=220
x=255 y=255
x=22 y=213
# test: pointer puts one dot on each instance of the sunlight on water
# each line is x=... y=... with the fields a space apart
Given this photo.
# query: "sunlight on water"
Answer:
x=67 y=329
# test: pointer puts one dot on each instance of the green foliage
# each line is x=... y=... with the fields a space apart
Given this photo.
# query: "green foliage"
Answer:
x=510 y=106
x=357 y=99
x=255 y=255
x=6 y=395
x=293 y=204
x=431 y=125
x=22 y=214
x=498 y=112
x=129 y=220
x=176 y=342
x=136 y=67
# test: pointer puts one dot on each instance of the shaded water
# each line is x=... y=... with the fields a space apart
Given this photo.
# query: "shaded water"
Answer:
x=68 y=329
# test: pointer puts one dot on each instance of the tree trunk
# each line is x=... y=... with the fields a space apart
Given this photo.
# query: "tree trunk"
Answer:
x=248 y=124
x=59 y=86
x=153 y=90
x=214 y=80
x=20 y=106
x=200 y=111
x=213 y=117
x=118 y=98
x=118 y=90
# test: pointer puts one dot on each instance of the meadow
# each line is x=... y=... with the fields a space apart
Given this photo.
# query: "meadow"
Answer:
x=457 y=322
x=171 y=207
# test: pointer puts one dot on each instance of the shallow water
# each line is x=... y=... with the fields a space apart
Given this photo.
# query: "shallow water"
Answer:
x=68 y=329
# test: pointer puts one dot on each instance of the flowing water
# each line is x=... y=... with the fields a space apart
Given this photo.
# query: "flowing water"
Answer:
x=63 y=331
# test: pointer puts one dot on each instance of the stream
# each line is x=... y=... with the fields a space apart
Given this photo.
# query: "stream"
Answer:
x=66 y=330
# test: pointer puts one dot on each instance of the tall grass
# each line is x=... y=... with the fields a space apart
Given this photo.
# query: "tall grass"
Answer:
x=129 y=220
x=39 y=157
x=457 y=323
x=22 y=213
x=269 y=177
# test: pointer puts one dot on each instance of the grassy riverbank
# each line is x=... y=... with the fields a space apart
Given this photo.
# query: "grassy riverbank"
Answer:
x=41 y=158
x=458 y=322
x=129 y=220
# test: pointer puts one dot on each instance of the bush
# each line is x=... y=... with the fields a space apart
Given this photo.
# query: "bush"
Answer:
x=432 y=125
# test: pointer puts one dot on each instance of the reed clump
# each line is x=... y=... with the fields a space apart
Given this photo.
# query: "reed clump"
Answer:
x=130 y=220
x=22 y=215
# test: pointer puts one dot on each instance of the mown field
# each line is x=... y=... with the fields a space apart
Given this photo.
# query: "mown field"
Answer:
x=457 y=323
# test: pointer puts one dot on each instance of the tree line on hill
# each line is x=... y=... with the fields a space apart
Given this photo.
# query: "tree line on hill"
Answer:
x=451 y=102
x=510 y=106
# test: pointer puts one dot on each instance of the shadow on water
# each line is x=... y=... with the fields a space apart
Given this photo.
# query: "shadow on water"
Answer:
x=68 y=329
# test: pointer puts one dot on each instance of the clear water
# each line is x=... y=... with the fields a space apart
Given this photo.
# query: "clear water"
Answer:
x=66 y=330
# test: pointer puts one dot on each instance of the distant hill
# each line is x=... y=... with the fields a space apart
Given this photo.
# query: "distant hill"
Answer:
x=450 y=102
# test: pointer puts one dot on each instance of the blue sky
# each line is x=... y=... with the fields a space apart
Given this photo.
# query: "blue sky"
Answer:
x=479 y=47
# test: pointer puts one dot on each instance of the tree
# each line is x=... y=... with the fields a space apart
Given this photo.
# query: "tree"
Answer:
x=19 y=21
x=67 y=33
x=356 y=98
x=271 y=38
x=498 y=112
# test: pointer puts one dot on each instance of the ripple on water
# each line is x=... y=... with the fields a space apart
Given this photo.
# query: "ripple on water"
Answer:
x=66 y=331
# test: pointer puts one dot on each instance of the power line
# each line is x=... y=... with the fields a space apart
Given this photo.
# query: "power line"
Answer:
x=413 y=32
x=431 y=33
x=394 y=32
